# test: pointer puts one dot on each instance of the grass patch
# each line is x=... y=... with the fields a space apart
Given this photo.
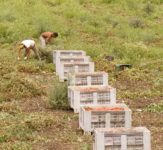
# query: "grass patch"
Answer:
x=36 y=121
x=155 y=108
x=36 y=67
x=16 y=146
x=17 y=87
x=22 y=126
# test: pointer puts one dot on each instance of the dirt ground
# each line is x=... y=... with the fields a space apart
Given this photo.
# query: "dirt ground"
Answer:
x=53 y=135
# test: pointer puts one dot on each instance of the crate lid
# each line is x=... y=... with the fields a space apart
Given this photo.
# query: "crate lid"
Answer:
x=77 y=63
x=104 y=109
x=122 y=130
x=69 y=51
x=73 y=57
x=92 y=88
x=115 y=107
x=89 y=73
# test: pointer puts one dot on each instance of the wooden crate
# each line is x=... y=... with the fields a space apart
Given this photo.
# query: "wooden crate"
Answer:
x=137 y=138
x=90 y=95
x=88 y=78
x=111 y=116
x=67 y=68
x=67 y=53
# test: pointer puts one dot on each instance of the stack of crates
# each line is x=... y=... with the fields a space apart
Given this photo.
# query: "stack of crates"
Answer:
x=90 y=95
x=71 y=61
x=137 y=138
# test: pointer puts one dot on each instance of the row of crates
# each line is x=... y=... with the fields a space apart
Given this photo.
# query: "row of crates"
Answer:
x=90 y=95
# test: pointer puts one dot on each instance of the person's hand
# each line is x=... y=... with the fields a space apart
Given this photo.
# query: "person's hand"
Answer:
x=25 y=58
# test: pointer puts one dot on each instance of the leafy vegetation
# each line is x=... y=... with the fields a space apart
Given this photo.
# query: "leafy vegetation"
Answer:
x=155 y=107
x=58 y=97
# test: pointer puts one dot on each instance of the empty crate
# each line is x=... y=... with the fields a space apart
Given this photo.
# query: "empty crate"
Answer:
x=66 y=53
x=88 y=78
x=91 y=117
x=90 y=95
x=70 y=59
x=137 y=138
x=74 y=68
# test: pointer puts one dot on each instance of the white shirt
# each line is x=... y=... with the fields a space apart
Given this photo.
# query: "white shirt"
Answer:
x=28 y=43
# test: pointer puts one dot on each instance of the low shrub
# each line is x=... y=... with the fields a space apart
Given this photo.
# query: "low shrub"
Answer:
x=46 y=55
x=136 y=23
x=149 y=8
x=58 y=97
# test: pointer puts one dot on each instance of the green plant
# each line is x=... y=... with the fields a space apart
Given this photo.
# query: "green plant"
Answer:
x=58 y=98
x=136 y=23
x=46 y=55
x=155 y=107
x=149 y=8
x=3 y=138
x=107 y=1
x=148 y=38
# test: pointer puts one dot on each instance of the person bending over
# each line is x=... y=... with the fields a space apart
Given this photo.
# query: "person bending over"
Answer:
x=46 y=37
x=28 y=45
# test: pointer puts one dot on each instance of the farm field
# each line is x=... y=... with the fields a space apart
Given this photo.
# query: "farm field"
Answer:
x=130 y=31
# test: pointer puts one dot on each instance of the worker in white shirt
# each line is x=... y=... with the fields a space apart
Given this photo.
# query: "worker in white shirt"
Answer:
x=28 y=45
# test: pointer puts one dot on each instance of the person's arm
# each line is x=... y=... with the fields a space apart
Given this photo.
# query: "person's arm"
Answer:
x=48 y=39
